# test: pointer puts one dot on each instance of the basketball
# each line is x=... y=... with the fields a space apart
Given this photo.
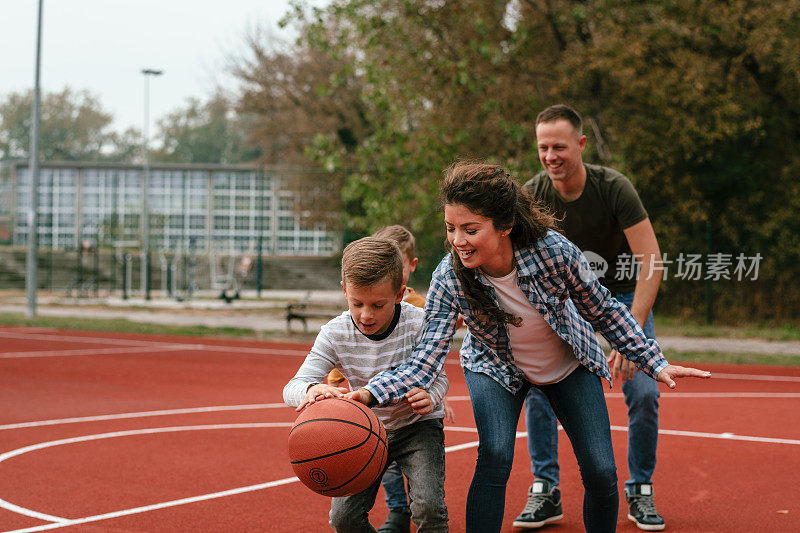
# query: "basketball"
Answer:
x=337 y=447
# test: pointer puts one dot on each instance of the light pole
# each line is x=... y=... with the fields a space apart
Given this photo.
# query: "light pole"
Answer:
x=32 y=279
x=145 y=178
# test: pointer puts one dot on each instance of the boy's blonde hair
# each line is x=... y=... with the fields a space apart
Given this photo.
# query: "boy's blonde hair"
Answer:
x=404 y=239
x=372 y=260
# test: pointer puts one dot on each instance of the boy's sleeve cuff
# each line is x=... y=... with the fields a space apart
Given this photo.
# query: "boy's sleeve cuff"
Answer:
x=377 y=397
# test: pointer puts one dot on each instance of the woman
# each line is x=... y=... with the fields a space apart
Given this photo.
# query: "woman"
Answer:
x=532 y=305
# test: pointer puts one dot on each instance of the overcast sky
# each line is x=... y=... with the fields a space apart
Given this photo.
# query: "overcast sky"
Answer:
x=102 y=45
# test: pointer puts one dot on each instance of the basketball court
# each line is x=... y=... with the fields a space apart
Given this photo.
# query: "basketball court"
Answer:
x=104 y=432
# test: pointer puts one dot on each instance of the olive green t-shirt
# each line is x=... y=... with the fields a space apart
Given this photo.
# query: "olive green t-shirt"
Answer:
x=595 y=222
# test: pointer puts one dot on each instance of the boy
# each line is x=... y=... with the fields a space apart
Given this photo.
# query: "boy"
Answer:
x=377 y=333
x=406 y=242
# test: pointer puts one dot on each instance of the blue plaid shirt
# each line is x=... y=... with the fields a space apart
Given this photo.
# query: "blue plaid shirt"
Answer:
x=559 y=284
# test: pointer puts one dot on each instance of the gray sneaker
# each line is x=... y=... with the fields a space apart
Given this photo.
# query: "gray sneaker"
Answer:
x=642 y=508
x=543 y=507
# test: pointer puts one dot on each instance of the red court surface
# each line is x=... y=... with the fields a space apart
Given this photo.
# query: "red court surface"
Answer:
x=119 y=432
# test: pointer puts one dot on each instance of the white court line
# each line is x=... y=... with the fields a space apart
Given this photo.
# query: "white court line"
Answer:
x=756 y=377
x=156 y=506
x=61 y=522
x=143 y=414
x=253 y=351
x=155 y=344
x=92 y=351
x=193 y=410
x=297 y=353
x=698 y=434
x=34 y=329
x=87 y=340
x=726 y=436
x=667 y=395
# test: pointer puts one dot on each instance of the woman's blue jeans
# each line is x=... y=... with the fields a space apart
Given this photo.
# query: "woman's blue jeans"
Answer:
x=580 y=406
x=641 y=396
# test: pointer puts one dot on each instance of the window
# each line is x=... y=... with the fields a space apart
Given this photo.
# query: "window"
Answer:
x=222 y=203
x=243 y=203
x=285 y=223
x=222 y=222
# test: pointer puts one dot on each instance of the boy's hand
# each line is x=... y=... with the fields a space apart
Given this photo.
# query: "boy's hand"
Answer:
x=361 y=396
x=449 y=414
x=671 y=372
x=420 y=401
x=319 y=392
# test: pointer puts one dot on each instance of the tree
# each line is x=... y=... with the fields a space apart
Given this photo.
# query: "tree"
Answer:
x=73 y=127
x=697 y=102
x=204 y=132
x=305 y=110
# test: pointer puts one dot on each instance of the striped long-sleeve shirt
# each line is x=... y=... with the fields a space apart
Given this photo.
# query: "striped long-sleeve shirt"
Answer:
x=341 y=345
x=559 y=283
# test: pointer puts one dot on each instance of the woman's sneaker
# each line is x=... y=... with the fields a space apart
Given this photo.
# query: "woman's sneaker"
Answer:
x=642 y=508
x=543 y=507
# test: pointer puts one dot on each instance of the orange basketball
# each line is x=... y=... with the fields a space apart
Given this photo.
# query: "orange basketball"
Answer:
x=337 y=447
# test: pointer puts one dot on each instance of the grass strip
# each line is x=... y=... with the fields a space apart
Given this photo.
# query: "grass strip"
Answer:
x=672 y=327
x=123 y=325
x=733 y=358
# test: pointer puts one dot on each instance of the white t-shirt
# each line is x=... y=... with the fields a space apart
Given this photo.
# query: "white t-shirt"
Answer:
x=538 y=351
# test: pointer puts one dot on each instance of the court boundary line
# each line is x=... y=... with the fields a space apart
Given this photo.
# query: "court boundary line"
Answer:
x=59 y=522
x=176 y=346
x=91 y=351
x=245 y=407
x=142 y=414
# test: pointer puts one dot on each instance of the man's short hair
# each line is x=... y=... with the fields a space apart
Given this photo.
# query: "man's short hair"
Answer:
x=372 y=260
x=558 y=112
x=399 y=234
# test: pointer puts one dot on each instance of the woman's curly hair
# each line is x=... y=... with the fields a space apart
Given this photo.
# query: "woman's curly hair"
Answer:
x=489 y=191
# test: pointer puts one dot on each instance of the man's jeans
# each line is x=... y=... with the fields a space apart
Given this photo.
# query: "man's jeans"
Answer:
x=419 y=451
x=641 y=397
x=578 y=400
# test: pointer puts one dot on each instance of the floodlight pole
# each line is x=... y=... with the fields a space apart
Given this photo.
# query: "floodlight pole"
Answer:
x=145 y=179
x=31 y=279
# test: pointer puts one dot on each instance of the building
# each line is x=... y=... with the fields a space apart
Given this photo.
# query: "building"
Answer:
x=207 y=208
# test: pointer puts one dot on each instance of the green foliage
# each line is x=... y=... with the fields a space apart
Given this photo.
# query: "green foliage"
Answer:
x=73 y=127
x=205 y=132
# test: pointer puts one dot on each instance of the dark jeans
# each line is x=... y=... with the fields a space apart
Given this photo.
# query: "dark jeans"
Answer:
x=419 y=451
x=641 y=396
x=580 y=406
x=395 y=487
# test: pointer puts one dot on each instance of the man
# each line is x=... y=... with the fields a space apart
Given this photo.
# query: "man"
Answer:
x=603 y=215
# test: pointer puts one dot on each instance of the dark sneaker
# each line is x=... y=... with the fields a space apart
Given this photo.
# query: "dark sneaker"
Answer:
x=397 y=521
x=642 y=508
x=543 y=507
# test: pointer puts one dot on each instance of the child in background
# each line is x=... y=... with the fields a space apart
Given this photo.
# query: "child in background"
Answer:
x=399 y=517
x=377 y=333
x=405 y=240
